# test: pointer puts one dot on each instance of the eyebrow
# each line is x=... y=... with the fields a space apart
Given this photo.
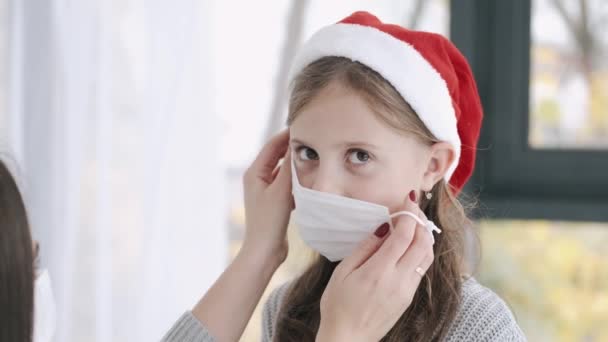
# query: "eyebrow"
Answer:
x=296 y=141
x=344 y=143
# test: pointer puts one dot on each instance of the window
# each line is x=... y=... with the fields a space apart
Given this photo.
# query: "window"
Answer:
x=569 y=75
x=543 y=157
x=553 y=275
x=513 y=178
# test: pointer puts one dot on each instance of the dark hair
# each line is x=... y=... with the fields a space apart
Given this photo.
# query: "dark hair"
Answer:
x=16 y=263
x=436 y=301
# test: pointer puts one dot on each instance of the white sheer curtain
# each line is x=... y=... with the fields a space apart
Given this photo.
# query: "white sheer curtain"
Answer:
x=112 y=120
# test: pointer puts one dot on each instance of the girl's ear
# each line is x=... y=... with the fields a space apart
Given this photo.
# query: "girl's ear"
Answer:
x=442 y=155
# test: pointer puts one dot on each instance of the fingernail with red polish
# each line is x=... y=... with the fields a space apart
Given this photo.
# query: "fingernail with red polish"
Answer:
x=413 y=196
x=382 y=230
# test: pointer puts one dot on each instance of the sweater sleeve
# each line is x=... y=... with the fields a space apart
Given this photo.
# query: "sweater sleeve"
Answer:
x=188 y=329
x=485 y=317
x=498 y=324
x=270 y=312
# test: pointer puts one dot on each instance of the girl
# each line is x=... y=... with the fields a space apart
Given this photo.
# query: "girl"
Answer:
x=379 y=114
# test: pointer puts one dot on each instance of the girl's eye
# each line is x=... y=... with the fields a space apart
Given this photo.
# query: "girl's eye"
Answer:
x=358 y=157
x=307 y=153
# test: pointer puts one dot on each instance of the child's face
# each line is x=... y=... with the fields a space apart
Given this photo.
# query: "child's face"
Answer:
x=340 y=146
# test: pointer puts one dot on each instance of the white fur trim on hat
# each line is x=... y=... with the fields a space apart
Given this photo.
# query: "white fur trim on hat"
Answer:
x=400 y=64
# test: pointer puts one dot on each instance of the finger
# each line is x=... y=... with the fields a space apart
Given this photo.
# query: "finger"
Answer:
x=427 y=261
x=410 y=205
x=275 y=172
x=283 y=177
x=364 y=250
x=412 y=208
x=432 y=229
x=266 y=161
x=393 y=247
x=419 y=250
x=419 y=212
x=414 y=196
x=397 y=243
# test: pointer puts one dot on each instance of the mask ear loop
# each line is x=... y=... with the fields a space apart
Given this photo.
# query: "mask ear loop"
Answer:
x=429 y=225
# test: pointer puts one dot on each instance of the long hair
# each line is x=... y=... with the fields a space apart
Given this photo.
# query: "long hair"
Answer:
x=16 y=264
x=437 y=299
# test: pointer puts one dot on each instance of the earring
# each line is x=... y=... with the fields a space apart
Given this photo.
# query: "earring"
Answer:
x=429 y=195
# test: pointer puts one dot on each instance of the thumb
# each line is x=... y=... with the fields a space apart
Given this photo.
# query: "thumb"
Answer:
x=365 y=249
x=283 y=179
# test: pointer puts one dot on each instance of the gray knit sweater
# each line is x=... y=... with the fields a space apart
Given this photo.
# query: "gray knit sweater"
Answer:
x=483 y=316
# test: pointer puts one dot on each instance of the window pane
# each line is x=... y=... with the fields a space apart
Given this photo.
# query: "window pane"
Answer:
x=569 y=74
x=553 y=275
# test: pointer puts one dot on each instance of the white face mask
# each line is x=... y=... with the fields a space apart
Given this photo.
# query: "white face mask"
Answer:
x=334 y=225
x=44 y=308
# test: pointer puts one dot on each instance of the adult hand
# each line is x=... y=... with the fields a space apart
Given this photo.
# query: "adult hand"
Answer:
x=228 y=305
x=268 y=199
x=372 y=288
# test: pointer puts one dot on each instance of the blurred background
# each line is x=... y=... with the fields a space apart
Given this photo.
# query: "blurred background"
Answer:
x=129 y=124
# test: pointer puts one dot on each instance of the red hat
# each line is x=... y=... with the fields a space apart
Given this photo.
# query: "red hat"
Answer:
x=426 y=69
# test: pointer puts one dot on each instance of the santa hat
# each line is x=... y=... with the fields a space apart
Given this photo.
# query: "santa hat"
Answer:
x=425 y=68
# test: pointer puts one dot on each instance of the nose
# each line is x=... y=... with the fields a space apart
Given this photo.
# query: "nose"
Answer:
x=327 y=179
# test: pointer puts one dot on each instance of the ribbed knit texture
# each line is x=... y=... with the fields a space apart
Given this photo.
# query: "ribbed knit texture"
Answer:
x=482 y=316
x=188 y=329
